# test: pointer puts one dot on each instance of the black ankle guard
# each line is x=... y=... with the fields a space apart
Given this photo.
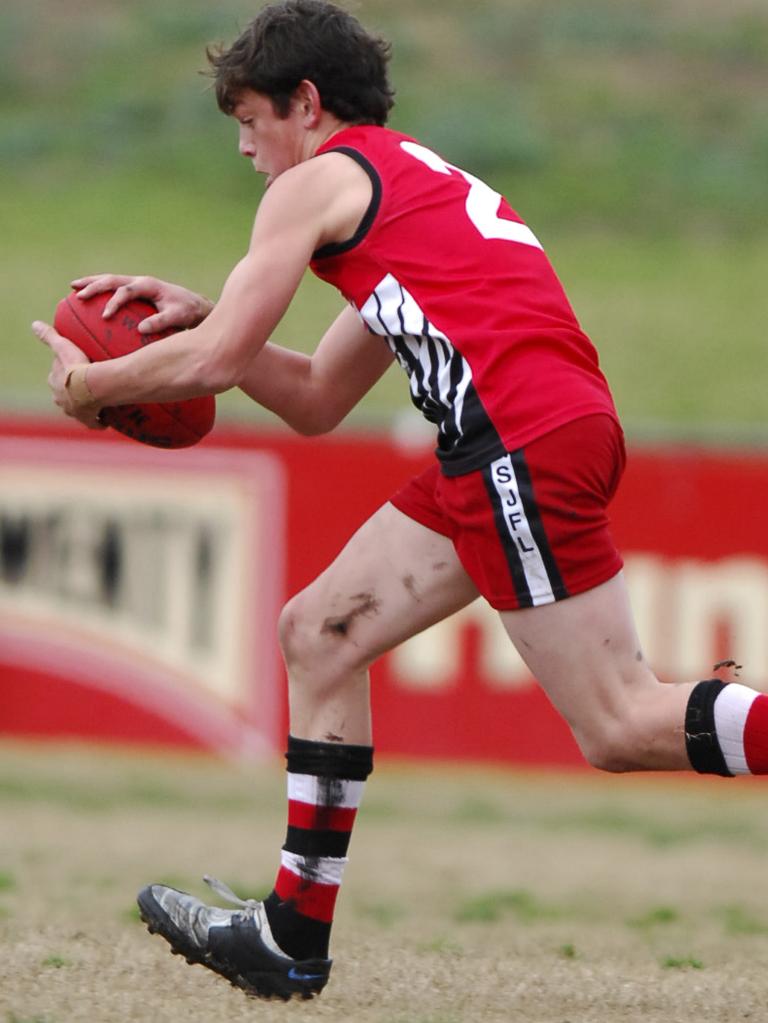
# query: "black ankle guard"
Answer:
x=701 y=742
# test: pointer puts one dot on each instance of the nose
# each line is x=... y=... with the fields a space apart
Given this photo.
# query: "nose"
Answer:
x=245 y=145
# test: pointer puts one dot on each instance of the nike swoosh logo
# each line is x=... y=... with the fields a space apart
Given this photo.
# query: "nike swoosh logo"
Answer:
x=294 y=974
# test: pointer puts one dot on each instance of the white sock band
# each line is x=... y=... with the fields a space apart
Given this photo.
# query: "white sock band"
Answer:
x=731 y=709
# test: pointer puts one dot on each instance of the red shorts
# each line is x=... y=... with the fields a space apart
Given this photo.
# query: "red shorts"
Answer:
x=531 y=527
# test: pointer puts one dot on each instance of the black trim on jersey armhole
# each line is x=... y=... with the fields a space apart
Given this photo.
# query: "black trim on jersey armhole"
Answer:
x=336 y=248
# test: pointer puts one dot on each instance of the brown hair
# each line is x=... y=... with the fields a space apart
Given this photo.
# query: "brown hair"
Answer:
x=293 y=40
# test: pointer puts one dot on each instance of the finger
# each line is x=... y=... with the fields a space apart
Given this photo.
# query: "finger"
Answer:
x=95 y=284
x=93 y=420
x=62 y=347
x=159 y=321
x=56 y=397
x=134 y=287
x=82 y=282
x=46 y=333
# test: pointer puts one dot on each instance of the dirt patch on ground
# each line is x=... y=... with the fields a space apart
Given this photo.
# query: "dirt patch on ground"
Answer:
x=469 y=896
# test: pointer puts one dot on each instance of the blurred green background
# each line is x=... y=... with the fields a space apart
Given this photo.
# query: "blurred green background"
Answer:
x=632 y=135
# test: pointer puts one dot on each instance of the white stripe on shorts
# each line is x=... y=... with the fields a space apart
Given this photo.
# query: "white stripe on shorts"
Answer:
x=306 y=788
x=519 y=529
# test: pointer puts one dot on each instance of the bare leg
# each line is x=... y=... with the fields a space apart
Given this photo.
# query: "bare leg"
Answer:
x=393 y=579
x=585 y=653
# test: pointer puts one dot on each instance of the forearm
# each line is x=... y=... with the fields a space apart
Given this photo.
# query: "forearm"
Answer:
x=181 y=366
x=282 y=381
x=312 y=394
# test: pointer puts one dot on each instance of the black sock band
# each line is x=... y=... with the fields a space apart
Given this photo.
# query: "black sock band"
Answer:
x=298 y=936
x=701 y=742
x=329 y=759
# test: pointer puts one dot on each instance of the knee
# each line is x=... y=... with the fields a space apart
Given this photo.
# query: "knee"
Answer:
x=615 y=745
x=314 y=645
x=295 y=633
x=606 y=753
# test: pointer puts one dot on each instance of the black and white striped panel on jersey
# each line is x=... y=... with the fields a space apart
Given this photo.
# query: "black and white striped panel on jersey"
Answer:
x=440 y=377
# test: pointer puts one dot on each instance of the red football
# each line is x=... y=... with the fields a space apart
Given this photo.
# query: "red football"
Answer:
x=172 y=424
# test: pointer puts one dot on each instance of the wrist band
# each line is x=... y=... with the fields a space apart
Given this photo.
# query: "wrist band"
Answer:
x=77 y=387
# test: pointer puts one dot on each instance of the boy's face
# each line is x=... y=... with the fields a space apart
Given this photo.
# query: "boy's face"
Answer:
x=272 y=143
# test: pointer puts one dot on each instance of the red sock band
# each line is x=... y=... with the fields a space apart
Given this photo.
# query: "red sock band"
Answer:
x=323 y=818
x=756 y=736
x=307 y=897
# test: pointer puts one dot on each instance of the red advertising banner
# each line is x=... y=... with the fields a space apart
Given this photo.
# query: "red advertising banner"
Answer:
x=140 y=589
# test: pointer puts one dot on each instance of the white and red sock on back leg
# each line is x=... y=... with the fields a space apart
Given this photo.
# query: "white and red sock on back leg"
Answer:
x=325 y=786
x=726 y=729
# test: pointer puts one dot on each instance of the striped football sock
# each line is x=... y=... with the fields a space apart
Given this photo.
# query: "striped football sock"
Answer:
x=325 y=786
x=726 y=729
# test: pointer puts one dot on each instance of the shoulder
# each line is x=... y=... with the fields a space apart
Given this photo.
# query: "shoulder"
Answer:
x=327 y=195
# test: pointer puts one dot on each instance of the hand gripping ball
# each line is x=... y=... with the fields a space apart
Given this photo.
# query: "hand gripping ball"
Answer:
x=168 y=424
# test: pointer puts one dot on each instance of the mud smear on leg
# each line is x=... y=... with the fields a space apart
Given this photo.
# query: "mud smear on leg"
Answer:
x=340 y=625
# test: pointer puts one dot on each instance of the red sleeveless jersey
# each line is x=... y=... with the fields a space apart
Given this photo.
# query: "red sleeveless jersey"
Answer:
x=459 y=287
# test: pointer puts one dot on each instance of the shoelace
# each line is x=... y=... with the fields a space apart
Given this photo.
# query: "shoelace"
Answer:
x=252 y=909
x=226 y=893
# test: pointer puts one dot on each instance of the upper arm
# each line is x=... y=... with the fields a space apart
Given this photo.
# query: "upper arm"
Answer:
x=306 y=207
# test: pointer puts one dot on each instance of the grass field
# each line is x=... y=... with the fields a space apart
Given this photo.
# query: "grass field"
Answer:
x=474 y=895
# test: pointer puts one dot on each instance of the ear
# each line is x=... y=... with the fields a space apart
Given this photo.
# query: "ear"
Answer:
x=307 y=100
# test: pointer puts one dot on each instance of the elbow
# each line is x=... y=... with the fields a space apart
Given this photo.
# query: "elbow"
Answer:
x=314 y=421
x=216 y=381
x=216 y=376
x=313 y=426
x=309 y=414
